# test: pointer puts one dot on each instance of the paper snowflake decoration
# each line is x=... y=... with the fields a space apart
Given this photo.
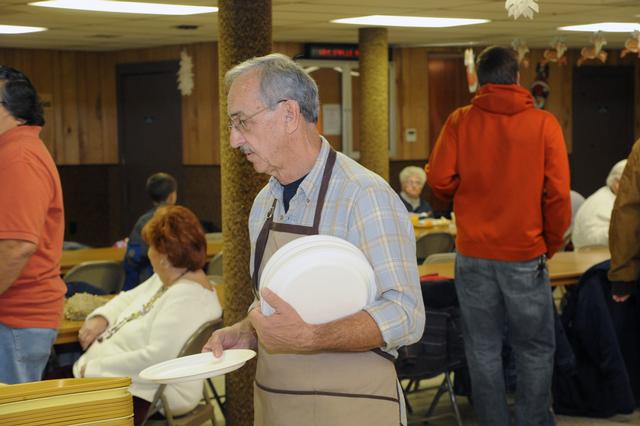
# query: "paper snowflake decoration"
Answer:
x=185 y=74
x=517 y=8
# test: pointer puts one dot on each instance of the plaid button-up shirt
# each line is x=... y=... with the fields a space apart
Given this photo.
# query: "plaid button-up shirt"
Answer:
x=361 y=208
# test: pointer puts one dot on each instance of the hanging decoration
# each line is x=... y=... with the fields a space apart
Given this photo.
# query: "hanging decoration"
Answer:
x=517 y=8
x=631 y=45
x=556 y=53
x=185 y=74
x=521 y=47
x=595 y=51
x=470 y=64
x=540 y=89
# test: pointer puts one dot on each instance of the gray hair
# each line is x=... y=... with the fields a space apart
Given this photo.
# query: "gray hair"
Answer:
x=409 y=171
x=616 y=173
x=280 y=78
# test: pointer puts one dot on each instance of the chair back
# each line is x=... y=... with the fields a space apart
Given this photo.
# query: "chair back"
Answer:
x=432 y=243
x=441 y=347
x=440 y=258
x=215 y=265
x=104 y=274
x=194 y=344
x=203 y=412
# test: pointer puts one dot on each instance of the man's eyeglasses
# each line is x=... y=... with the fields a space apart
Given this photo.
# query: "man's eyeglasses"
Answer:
x=240 y=124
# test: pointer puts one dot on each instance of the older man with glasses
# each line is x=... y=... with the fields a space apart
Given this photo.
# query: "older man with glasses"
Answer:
x=339 y=372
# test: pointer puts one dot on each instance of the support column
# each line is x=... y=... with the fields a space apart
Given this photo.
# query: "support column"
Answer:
x=374 y=101
x=244 y=31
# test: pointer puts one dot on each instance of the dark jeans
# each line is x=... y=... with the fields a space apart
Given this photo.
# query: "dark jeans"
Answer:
x=492 y=293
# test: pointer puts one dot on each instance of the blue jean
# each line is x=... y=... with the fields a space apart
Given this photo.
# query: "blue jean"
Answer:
x=493 y=293
x=24 y=353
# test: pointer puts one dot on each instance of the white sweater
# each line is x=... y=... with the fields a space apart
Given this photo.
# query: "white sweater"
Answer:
x=152 y=338
x=591 y=226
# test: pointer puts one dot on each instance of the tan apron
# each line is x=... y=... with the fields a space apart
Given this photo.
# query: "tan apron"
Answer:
x=323 y=389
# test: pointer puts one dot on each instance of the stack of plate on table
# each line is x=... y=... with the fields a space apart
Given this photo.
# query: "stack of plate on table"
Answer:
x=90 y=401
x=322 y=277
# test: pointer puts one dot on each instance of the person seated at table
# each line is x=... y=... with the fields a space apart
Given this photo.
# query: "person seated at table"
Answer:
x=151 y=323
x=162 y=189
x=412 y=180
x=591 y=227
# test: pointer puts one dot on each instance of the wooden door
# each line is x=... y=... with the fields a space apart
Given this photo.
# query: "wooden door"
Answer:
x=150 y=131
x=603 y=119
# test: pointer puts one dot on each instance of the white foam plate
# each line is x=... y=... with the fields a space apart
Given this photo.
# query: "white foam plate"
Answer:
x=196 y=367
x=322 y=277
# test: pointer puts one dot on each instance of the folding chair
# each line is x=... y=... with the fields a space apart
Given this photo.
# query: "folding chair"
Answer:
x=215 y=265
x=440 y=258
x=441 y=348
x=203 y=411
x=103 y=274
x=435 y=242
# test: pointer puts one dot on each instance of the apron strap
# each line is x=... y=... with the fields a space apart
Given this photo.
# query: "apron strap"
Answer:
x=261 y=243
x=331 y=159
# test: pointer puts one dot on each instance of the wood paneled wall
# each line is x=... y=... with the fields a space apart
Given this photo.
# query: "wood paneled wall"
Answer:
x=79 y=92
x=412 y=93
x=414 y=88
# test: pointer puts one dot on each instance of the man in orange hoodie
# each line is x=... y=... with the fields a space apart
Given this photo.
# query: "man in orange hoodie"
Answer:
x=504 y=164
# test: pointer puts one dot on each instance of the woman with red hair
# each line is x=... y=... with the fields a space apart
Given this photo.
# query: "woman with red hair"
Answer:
x=150 y=323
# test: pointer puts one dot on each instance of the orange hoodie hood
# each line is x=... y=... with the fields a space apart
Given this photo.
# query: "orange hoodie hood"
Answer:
x=505 y=99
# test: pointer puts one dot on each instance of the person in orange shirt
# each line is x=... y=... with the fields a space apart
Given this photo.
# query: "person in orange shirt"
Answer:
x=504 y=164
x=31 y=234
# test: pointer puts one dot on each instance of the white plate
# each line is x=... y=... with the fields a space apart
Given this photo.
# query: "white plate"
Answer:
x=322 y=277
x=195 y=367
x=296 y=248
x=293 y=248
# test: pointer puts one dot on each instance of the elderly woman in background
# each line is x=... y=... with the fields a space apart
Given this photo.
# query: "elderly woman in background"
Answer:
x=412 y=180
x=591 y=225
x=151 y=323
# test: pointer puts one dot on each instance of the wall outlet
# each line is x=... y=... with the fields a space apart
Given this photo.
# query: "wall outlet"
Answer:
x=410 y=135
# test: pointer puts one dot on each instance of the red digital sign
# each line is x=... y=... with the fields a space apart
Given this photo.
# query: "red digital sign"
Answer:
x=332 y=51
x=349 y=52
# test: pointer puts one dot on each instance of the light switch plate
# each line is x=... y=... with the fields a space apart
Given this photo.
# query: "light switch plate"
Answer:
x=410 y=135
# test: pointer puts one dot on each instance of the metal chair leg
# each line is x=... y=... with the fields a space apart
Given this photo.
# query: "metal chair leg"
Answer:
x=452 y=397
x=434 y=402
x=217 y=397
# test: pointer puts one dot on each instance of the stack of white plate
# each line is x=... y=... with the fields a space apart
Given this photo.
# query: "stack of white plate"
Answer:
x=90 y=401
x=322 y=277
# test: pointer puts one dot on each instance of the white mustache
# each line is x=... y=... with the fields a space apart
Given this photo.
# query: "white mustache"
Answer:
x=245 y=149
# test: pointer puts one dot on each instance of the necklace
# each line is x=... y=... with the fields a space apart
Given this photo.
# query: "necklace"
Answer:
x=143 y=311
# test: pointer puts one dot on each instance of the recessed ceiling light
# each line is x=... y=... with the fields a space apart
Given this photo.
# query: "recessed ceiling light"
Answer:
x=18 y=29
x=125 y=7
x=409 y=21
x=609 y=27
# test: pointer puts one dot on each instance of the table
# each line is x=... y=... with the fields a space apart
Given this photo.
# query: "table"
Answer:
x=565 y=268
x=71 y=258
x=68 y=329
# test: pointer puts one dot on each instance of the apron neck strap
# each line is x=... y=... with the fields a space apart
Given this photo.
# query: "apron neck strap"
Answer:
x=263 y=236
x=261 y=243
x=326 y=176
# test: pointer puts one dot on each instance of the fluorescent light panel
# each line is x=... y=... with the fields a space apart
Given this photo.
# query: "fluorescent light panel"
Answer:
x=125 y=7
x=409 y=21
x=18 y=29
x=608 y=27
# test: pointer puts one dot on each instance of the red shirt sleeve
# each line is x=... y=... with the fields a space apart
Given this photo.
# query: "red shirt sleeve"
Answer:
x=25 y=197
